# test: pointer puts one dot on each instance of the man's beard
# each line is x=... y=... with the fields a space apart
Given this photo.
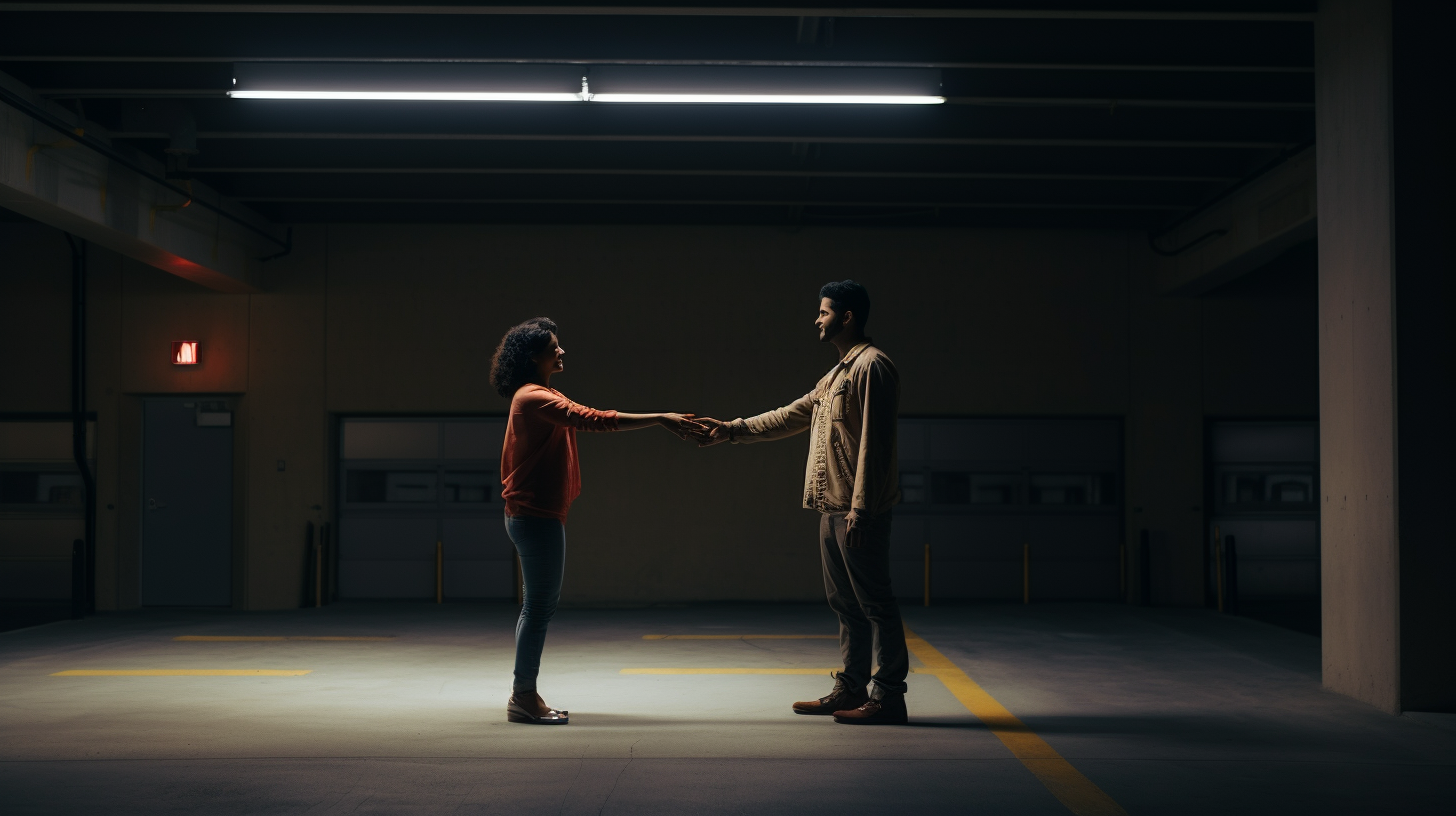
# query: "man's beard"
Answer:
x=830 y=331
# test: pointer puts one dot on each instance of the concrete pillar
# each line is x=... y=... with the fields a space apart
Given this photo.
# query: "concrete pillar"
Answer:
x=1385 y=353
x=1164 y=436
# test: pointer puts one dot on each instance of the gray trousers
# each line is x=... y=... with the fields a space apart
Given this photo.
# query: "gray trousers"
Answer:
x=857 y=583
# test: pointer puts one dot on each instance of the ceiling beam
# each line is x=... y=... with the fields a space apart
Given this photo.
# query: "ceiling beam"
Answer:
x=59 y=171
x=616 y=202
x=669 y=11
x=601 y=171
x=1247 y=227
x=648 y=137
x=968 y=66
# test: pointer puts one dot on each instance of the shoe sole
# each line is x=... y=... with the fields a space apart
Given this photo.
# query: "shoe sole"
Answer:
x=516 y=714
x=527 y=719
x=825 y=711
x=858 y=721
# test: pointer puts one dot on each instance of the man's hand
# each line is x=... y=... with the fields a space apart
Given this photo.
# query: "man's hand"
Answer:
x=717 y=432
x=852 y=529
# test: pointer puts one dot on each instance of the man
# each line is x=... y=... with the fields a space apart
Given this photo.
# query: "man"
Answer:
x=851 y=479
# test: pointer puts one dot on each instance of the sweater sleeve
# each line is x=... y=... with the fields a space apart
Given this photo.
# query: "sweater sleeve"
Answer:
x=558 y=410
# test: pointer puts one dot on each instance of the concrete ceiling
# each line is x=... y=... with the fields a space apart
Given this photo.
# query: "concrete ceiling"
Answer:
x=1068 y=114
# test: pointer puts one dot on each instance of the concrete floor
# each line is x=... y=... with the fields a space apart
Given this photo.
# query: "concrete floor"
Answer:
x=1167 y=711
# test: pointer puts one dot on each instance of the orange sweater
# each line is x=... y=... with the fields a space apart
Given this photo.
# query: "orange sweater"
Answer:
x=540 y=473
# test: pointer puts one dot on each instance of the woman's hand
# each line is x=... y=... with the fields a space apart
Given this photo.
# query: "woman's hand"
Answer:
x=683 y=426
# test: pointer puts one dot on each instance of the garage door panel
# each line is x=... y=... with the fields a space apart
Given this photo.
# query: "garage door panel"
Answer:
x=980 y=529
x=386 y=579
x=374 y=539
x=480 y=579
x=477 y=539
x=989 y=580
x=1080 y=579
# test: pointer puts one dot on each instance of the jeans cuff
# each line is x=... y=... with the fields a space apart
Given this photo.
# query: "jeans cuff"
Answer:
x=878 y=690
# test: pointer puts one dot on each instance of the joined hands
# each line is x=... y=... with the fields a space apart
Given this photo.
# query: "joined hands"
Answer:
x=705 y=431
x=684 y=426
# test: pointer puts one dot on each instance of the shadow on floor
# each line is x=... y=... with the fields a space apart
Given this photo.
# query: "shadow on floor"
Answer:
x=1300 y=615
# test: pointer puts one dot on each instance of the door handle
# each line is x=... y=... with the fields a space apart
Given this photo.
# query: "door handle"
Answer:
x=156 y=504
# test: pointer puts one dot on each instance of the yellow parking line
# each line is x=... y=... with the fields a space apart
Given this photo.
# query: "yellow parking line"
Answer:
x=740 y=637
x=182 y=673
x=1077 y=792
x=269 y=638
x=728 y=671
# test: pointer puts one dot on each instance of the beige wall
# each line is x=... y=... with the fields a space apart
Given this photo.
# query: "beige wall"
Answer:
x=402 y=319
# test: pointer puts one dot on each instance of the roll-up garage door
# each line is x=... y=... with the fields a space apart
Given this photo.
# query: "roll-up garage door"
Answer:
x=1003 y=503
x=406 y=484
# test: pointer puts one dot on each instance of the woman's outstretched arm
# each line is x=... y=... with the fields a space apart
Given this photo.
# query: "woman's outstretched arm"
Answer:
x=558 y=410
x=682 y=425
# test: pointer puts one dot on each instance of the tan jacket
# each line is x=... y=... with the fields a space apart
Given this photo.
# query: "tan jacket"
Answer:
x=851 y=415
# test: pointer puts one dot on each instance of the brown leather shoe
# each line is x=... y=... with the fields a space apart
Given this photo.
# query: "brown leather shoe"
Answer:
x=528 y=707
x=841 y=697
x=888 y=710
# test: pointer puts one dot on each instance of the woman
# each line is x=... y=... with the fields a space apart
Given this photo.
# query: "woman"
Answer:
x=540 y=478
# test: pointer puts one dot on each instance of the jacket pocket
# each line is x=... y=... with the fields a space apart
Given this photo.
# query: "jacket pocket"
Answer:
x=841 y=461
x=839 y=402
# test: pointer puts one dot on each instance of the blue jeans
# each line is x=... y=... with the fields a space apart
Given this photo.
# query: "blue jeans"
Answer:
x=541 y=544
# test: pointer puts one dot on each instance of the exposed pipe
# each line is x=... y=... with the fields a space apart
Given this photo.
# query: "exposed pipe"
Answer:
x=78 y=410
x=55 y=123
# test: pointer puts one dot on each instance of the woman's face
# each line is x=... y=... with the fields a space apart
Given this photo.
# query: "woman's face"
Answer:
x=548 y=360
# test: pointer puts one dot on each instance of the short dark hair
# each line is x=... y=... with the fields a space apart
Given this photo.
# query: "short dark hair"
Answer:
x=848 y=296
x=511 y=366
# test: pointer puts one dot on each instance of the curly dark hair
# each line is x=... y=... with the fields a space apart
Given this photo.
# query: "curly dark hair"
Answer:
x=511 y=366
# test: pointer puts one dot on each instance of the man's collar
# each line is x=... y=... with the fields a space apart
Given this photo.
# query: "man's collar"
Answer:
x=856 y=351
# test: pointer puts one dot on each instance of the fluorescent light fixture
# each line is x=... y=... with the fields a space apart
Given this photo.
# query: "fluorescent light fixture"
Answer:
x=769 y=99
x=692 y=85
x=420 y=96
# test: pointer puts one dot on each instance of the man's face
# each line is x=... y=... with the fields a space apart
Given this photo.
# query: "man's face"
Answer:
x=829 y=322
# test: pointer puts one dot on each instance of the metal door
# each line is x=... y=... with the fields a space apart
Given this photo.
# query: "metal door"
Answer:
x=187 y=501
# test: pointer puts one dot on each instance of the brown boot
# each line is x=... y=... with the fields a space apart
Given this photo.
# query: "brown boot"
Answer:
x=841 y=697
x=888 y=710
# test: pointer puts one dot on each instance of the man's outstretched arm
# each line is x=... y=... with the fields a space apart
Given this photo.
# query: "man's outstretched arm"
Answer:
x=776 y=424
